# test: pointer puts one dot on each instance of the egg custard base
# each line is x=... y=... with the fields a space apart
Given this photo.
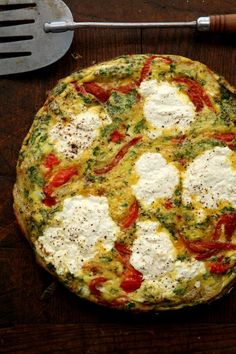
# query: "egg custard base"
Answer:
x=126 y=183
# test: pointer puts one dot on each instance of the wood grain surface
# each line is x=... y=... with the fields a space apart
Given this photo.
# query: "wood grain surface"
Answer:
x=62 y=323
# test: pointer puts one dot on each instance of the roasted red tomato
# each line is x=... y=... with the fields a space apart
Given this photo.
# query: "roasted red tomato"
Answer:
x=206 y=249
x=179 y=140
x=49 y=201
x=127 y=88
x=195 y=92
x=60 y=178
x=117 y=136
x=132 y=215
x=119 y=156
x=221 y=265
x=96 y=90
x=226 y=137
x=122 y=249
x=95 y=283
x=147 y=65
x=80 y=88
x=226 y=224
x=168 y=204
x=132 y=280
x=50 y=161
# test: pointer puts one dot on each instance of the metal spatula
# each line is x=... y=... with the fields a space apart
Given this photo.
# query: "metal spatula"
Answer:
x=24 y=45
x=36 y=33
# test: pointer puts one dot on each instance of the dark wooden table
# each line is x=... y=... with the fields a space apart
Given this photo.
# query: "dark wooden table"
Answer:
x=64 y=323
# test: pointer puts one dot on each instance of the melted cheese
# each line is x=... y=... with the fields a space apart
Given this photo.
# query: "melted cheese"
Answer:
x=166 y=107
x=83 y=225
x=73 y=137
x=210 y=179
x=158 y=179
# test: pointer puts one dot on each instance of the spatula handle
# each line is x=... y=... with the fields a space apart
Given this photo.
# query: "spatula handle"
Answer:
x=223 y=23
x=215 y=23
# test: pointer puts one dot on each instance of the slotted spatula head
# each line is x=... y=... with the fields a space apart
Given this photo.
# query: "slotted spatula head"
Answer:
x=24 y=45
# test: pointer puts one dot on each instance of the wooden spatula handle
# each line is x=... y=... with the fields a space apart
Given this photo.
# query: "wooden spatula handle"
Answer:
x=223 y=23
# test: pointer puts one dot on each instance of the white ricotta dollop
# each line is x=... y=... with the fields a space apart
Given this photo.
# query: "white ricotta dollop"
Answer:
x=153 y=253
x=158 y=179
x=166 y=107
x=210 y=179
x=73 y=137
x=83 y=223
x=188 y=270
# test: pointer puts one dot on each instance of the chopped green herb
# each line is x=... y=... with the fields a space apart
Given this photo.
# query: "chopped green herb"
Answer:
x=182 y=257
x=130 y=305
x=120 y=103
x=51 y=267
x=132 y=153
x=203 y=82
x=26 y=193
x=105 y=259
x=179 y=291
x=36 y=133
x=59 y=88
x=107 y=130
x=87 y=99
x=34 y=176
x=96 y=150
x=92 y=178
x=88 y=165
x=225 y=94
x=227 y=209
x=207 y=275
x=178 y=192
x=172 y=67
x=140 y=126
x=177 y=202
x=70 y=276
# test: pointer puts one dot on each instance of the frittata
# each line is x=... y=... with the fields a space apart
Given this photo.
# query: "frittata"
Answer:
x=126 y=183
